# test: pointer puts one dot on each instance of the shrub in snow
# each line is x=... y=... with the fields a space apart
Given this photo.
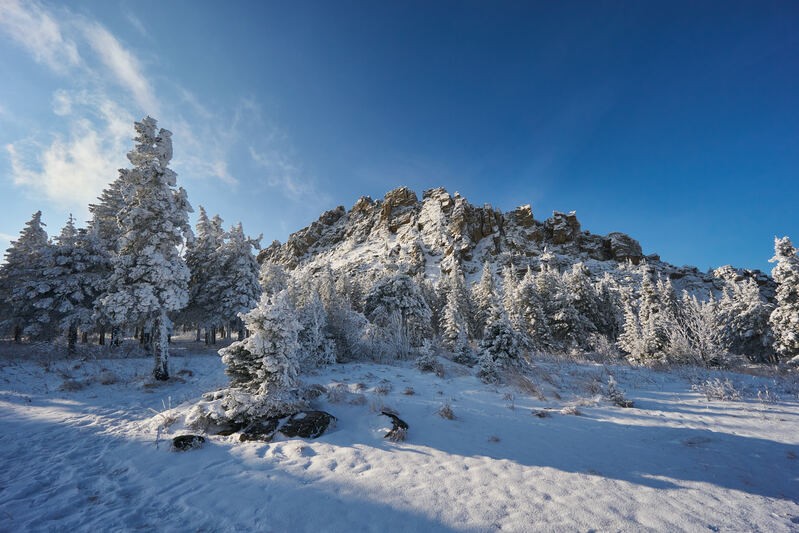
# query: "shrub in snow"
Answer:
x=717 y=389
x=616 y=395
x=784 y=319
x=445 y=411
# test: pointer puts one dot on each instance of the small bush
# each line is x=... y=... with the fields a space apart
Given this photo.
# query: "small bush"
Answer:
x=383 y=388
x=408 y=391
x=71 y=385
x=717 y=389
x=445 y=411
x=107 y=377
x=571 y=410
x=616 y=395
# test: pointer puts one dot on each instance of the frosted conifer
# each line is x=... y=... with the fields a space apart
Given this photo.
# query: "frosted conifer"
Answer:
x=150 y=277
x=784 y=319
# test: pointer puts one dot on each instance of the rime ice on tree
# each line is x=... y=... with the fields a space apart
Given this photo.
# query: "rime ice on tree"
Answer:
x=150 y=277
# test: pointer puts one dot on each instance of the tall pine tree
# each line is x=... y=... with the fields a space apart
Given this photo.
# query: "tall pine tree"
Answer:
x=150 y=277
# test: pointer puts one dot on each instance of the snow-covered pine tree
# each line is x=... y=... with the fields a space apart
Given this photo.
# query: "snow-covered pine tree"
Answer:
x=399 y=294
x=76 y=276
x=499 y=345
x=652 y=317
x=532 y=323
x=21 y=280
x=264 y=366
x=150 y=277
x=631 y=338
x=454 y=321
x=240 y=290
x=609 y=307
x=697 y=335
x=784 y=318
x=561 y=315
x=273 y=278
x=483 y=295
x=316 y=348
x=105 y=215
x=585 y=301
x=744 y=315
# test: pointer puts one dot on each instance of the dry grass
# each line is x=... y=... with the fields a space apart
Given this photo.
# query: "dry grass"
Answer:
x=445 y=411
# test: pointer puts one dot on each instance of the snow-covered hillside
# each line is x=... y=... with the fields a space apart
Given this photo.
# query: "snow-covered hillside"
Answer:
x=85 y=447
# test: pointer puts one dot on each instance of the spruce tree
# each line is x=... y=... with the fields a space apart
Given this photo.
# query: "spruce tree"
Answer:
x=21 y=280
x=784 y=319
x=239 y=289
x=150 y=277
x=744 y=316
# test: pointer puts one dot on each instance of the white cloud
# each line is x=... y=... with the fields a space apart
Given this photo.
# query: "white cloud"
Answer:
x=282 y=173
x=105 y=87
x=124 y=66
x=31 y=26
x=71 y=171
x=38 y=31
x=137 y=24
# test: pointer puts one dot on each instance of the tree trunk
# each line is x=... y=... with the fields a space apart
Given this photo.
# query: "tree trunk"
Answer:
x=241 y=334
x=198 y=334
x=116 y=336
x=72 y=338
x=159 y=342
x=213 y=335
x=101 y=341
x=84 y=337
x=207 y=337
x=17 y=334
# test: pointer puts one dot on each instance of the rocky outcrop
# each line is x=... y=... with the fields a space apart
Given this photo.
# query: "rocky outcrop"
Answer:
x=562 y=228
x=443 y=231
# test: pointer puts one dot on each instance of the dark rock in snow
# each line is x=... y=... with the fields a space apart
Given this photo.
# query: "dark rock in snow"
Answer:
x=261 y=430
x=184 y=443
x=307 y=424
x=225 y=429
x=399 y=429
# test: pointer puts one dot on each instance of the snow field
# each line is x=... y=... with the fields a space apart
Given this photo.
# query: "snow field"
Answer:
x=87 y=459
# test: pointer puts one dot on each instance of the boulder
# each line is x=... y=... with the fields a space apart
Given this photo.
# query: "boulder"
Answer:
x=307 y=424
x=261 y=430
x=183 y=443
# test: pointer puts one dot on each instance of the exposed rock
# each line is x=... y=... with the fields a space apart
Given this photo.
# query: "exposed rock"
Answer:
x=399 y=429
x=307 y=424
x=304 y=424
x=261 y=430
x=184 y=443
x=561 y=227
x=624 y=248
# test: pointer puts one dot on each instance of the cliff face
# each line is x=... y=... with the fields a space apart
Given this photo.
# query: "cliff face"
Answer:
x=441 y=231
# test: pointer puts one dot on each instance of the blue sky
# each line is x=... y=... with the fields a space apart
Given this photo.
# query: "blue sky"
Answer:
x=675 y=122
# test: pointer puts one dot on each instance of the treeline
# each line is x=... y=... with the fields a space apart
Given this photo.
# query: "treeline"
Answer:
x=509 y=315
x=135 y=268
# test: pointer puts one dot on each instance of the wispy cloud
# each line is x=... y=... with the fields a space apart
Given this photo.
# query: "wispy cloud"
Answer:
x=137 y=24
x=105 y=86
x=124 y=66
x=38 y=30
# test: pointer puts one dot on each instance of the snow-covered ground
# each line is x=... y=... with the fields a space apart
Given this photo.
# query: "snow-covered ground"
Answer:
x=80 y=450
